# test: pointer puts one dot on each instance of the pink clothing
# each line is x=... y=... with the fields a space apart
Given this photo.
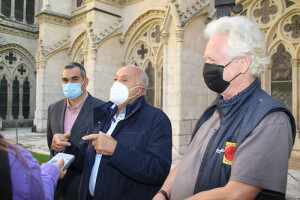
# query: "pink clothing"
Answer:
x=72 y=113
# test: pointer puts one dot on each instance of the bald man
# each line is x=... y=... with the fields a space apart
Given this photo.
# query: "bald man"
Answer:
x=128 y=150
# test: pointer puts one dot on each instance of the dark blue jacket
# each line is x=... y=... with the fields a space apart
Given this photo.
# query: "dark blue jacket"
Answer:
x=239 y=116
x=141 y=160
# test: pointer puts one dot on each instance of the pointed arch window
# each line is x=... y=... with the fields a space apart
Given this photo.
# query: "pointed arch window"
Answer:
x=30 y=11
x=19 y=4
x=3 y=98
x=16 y=98
x=281 y=85
x=26 y=99
x=6 y=8
x=150 y=92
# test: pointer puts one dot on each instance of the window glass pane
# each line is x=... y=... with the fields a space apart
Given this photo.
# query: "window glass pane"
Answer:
x=30 y=11
x=19 y=10
x=3 y=98
x=282 y=76
x=79 y=2
x=150 y=90
x=6 y=7
x=16 y=99
x=26 y=99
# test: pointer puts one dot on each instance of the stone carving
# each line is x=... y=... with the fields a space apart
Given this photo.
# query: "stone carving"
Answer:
x=120 y=3
x=97 y=38
x=190 y=11
x=24 y=34
x=51 y=49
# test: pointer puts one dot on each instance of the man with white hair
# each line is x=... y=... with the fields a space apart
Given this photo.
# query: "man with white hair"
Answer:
x=128 y=150
x=241 y=144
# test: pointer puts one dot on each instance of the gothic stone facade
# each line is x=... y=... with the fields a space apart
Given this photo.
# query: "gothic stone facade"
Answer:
x=164 y=38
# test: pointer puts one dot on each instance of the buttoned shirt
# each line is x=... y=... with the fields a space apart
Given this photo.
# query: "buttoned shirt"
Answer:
x=72 y=113
x=114 y=121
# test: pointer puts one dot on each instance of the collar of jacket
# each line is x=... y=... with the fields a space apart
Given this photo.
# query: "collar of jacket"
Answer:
x=130 y=108
x=229 y=106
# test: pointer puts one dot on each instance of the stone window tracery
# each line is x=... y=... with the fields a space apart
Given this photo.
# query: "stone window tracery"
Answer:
x=3 y=98
x=151 y=87
x=19 y=4
x=281 y=84
x=6 y=8
x=294 y=27
x=146 y=52
x=26 y=98
x=16 y=98
x=265 y=11
x=22 y=10
x=16 y=79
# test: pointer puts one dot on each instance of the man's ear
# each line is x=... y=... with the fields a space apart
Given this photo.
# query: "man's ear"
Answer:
x=86 y=82
x=245 y=63
x=140 y=91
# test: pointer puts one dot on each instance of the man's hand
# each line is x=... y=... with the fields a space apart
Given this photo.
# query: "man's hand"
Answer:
x=103 y=144
x=59 y=164
x=60 y=141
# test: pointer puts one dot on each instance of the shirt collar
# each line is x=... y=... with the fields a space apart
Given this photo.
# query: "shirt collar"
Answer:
x=113 y=110
x=78 y=106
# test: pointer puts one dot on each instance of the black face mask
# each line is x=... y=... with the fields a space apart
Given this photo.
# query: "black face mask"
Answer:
x=213 y=77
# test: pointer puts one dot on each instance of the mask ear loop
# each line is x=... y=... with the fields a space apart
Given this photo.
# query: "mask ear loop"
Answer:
x=84 y=87
x=131 y=89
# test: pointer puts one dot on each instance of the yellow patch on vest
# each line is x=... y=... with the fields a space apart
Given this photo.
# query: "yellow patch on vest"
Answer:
x=229 y=153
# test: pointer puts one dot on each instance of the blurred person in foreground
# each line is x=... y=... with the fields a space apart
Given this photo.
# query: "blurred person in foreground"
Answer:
x=241 y=144
x=21 y=176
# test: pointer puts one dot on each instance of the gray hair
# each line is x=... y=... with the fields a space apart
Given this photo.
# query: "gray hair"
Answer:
x=143 y=79
x=75 y=64
x=244 y=37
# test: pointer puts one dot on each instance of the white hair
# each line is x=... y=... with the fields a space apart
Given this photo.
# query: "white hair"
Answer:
x=143 y=79
x=244 y=37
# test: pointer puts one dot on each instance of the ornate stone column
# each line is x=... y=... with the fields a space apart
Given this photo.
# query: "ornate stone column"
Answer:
x=93 y=65
x=12 y=10
x=180 y=141
x=165 y=39
x=24 y=11
x=9 y=100
x=21 y=91
x=41 y=112
x=296 y=93
x=179 y=36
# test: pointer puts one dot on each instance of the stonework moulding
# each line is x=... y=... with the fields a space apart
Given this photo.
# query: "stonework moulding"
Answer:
x=120 y=3
x=13 y=31
x=295 y=63
x=20 y=49
x=77 y=42
x=53 y=19
x=146 y=16
x=165 y=37
x=78 y=20
x=179 y=34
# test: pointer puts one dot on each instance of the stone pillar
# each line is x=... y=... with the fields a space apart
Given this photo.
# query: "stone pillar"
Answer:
x=41 y=112
x=93 y=66
x=37 y=10
x=9 y=101
x=296 y=93
x=21 y=101
x=180 y=135
x=24 y=11
x=165 y=38
x=12 y=10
